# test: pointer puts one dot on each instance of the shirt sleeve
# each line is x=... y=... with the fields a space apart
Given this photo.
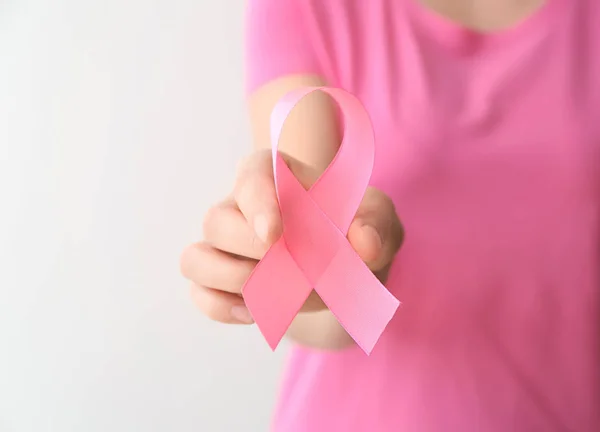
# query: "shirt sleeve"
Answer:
x=277 y=41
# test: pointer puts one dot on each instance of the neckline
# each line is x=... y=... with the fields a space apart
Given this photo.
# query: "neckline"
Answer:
x=459 y=37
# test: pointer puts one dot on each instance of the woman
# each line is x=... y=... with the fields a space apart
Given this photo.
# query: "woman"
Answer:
x=488 y=150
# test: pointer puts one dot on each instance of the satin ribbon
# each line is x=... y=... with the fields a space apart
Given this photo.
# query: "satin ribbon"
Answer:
x=313 y=252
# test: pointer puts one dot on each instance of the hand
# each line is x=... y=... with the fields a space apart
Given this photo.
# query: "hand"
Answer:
x=239 y=231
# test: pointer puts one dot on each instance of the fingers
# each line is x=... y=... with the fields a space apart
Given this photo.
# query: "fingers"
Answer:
x=237 y=232
x=376 y=233
x=210 y=267
x=255 y=196
x=240 y=230
x=221 y=306
x=225 y=228
x=217 y=279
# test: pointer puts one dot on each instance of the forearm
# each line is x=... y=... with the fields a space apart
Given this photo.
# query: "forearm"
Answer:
x=320 y=330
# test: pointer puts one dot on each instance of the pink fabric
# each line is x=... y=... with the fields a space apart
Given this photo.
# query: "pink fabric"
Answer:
x=313 y=252
x=489 y=146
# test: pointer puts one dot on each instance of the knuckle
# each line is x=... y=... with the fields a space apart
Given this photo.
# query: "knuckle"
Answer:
x=240 y=186
x=211 y=219
x=254 y=179
x=208 y=304
x=242 y=165
x=251 y=164
x=191 y=258
x=382 y=199
x=187 y=260
x=264 y=179
x=260 y=179
x=400 y=229
x=387 y=203
x=241 y=191
x=256 y=192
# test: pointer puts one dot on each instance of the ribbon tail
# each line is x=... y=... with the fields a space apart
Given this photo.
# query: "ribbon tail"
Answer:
x=359 y=301
x=275 y=292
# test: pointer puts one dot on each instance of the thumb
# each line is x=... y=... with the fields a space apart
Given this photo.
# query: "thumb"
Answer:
x=376 y=232
x=254 y=194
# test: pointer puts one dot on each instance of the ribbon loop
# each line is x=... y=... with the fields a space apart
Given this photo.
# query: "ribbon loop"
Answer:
x=313 y=252
x=350 y=171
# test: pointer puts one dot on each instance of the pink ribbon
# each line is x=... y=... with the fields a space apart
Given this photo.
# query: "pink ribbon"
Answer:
x=313 y=252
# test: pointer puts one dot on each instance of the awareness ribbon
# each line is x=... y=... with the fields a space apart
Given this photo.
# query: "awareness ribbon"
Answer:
x=313 y=252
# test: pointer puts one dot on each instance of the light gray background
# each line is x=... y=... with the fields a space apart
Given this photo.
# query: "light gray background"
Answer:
x=120 y=123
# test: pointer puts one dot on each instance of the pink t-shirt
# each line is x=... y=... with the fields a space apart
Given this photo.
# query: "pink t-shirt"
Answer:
x=489 y=146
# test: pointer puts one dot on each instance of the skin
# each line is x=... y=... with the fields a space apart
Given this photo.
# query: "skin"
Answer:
x=239 y=230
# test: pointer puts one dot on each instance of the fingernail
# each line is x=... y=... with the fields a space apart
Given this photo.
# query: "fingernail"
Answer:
x=261 y=228
x=374 y=234
x=242 y=314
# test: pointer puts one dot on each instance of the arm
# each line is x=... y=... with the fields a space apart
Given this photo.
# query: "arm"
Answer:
x=238 y=230
x=281 y=57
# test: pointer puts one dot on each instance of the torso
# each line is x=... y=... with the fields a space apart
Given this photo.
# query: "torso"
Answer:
x=490 y=148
